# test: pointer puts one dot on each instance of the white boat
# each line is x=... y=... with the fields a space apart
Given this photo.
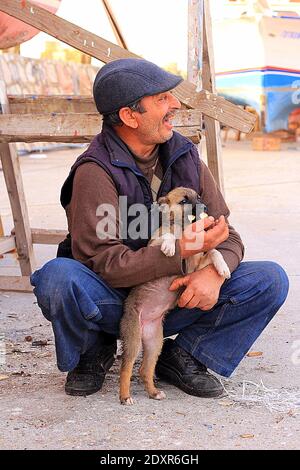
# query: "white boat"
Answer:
x=257 y=60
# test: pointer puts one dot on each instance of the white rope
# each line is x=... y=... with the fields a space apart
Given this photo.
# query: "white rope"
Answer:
x=273 y=399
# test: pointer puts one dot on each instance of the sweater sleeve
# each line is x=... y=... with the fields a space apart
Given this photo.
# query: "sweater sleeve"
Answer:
x=109 y=257
x=232 y=249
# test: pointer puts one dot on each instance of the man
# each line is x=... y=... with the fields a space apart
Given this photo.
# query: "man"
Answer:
x=138 y=158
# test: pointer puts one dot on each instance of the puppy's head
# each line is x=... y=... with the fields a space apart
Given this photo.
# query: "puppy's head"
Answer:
x=183 y=204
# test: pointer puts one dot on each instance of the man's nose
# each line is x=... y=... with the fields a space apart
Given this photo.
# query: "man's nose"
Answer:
x=174 y=102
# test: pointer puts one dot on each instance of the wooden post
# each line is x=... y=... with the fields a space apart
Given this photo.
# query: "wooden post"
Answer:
x=1 y=228
x=201 y=73
x=212 y=127
x=114 y=24
x=195 y=43
x=13 y=180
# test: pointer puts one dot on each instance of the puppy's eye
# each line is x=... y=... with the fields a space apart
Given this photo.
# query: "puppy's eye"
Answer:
x=184 y=201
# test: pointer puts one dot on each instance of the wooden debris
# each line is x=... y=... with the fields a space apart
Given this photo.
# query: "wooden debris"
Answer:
x=41 y=342
x=266 y=142
x=4 y=377
x=254 y=353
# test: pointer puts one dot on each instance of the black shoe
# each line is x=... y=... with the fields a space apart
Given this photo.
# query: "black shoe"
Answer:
x=178 y=367
x=88 y=376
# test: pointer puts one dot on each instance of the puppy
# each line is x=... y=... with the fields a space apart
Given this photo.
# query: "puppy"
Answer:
x=147 y=304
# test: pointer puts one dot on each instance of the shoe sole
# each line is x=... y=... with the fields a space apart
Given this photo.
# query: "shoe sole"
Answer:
x=81 y=393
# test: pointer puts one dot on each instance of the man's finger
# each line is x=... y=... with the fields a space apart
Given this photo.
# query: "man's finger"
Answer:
x=185 y=298
x=193 y=302
x=218 y=233
x=205 y=307
x=202 y=224
x=179 y=282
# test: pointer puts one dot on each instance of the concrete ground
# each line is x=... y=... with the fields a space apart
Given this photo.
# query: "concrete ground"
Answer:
x=263 y=192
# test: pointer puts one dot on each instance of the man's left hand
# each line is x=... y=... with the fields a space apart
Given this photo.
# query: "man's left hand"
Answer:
x=202 y=288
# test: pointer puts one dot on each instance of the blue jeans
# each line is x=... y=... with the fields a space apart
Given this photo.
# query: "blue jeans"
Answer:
x=80 y=306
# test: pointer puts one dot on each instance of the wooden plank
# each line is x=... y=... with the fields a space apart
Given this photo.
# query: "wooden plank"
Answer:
x=14 y=184
x=195 y=42
x=215 y=107
x=7 y=244
x=15 y=283
x=212 y=127
x=114 y=24
x=1 y=228
x=72 y=127
x=42 y=104
x=47 y=236
x=224 y=111
x=72 y=104
x=65 y=31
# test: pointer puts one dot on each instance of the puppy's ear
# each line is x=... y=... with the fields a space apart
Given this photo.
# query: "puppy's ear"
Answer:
x=163 y=200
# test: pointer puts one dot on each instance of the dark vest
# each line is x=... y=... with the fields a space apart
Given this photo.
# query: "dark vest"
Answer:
x=179 y=159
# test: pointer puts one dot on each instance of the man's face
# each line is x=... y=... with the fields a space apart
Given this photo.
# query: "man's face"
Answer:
x=155 y=124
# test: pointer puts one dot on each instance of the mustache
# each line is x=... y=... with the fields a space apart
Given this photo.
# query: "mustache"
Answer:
x=170 y=114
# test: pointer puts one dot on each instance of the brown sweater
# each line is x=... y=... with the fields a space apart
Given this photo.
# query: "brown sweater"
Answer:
x=111 y=258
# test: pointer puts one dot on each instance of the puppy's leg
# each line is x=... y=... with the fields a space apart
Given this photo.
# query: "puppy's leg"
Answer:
x=130 y=331
x=168 y=246
x=219 y=263
x=152 y=339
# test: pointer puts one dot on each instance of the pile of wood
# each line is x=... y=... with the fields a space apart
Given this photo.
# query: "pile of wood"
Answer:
x=273 y=140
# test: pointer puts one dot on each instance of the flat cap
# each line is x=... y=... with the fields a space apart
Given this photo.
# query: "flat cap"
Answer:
x=124 y=81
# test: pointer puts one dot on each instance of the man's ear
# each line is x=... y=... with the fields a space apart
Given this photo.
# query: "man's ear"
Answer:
x=128 y=117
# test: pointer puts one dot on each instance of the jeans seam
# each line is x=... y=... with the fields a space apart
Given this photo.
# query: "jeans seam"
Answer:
x=109 y=302
x=212 y=328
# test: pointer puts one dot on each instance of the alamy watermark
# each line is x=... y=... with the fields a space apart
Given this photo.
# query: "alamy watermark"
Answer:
x=138 y=222
x=296 y=93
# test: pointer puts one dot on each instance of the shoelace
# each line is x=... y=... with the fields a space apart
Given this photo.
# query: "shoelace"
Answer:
x=192 y=365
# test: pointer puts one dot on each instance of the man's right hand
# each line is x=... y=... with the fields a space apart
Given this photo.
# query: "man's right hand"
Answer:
x=203 y=235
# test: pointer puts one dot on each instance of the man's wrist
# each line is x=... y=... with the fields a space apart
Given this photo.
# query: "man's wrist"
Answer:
x=213 y=273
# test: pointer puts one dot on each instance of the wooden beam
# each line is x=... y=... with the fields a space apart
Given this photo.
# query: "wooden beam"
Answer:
x=47 y=236
x=42 y=104
x=15 y=283
x=7 y=244
x=73 y=127
x=212 y=127
x=228 y=113
x=206 y=102
x=195 y=42
x=114 y=24
x=14 y=184
x=64 y=31
x=1 y=228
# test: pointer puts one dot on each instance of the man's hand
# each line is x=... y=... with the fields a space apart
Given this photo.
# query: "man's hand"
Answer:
x=202 y=288
x=203 y=235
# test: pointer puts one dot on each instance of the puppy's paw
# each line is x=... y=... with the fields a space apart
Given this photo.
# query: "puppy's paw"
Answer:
x=168 y=244
x=224 y=271
x=222 y=268
x=159 y=395
x=126 y=401
x=220 y=264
